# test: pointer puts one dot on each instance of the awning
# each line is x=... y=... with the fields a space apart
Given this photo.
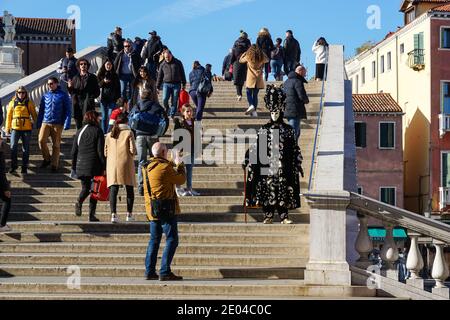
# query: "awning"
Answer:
x=379 y=233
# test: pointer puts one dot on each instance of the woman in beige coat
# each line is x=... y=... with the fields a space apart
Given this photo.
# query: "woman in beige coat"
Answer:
x=120 y=150
x=255 y=59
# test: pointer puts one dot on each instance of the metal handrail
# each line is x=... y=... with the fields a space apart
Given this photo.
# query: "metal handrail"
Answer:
x=318 y=123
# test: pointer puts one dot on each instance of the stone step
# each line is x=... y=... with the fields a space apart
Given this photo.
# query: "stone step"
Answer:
x=140 y=287
x=136 y=259
x=298 y=216
x=185 y=237
x=138 y=271
x=139 y=248
x=136 y=227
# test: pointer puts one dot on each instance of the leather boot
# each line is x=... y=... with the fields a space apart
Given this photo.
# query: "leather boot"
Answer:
x=92 y=209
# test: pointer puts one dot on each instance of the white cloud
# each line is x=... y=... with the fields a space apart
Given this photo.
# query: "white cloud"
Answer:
x=188 y=9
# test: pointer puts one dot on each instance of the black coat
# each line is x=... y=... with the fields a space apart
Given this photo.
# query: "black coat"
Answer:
x=266 y=44
x=88 y=158
x=240 y=69
x=151 y=107
x=84 y=91
x=4 y=184
x=270 y=186
x=135 y=63
x=292 y=51
x=171 y=72
x=110 y=91
x=296 y=96
x=153 y=46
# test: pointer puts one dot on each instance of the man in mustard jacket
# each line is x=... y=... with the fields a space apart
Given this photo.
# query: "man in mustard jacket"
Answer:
x=160 y=178
x=20 y=112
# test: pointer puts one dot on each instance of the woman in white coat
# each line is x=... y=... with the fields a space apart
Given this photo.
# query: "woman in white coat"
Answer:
x=320 y=49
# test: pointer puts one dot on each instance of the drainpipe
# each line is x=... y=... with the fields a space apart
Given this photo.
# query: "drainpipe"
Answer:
x=376 y=70
x=396 y=68
x=28 y=56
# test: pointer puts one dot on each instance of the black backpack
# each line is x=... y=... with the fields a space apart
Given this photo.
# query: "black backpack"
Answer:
x=205 y=85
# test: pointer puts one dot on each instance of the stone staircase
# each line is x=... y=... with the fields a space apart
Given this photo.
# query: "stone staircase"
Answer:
x=220 y=256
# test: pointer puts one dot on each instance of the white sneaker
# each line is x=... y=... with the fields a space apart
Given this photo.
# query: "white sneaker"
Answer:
x=130 y=217
x=254 y=114
x=268 y=221
x=114 y=218
x=287 y=221
x=250 y=110
x=5 y=228
x=181 y=192
x=194 y=193
x=239 y=98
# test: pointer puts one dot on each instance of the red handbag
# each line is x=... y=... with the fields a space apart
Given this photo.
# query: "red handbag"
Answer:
x=184 y=99
x=100 y=191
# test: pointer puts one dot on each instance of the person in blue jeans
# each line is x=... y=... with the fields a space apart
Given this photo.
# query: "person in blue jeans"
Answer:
x=21 y=113
x=109 y=84
x=161 y=176
x=171 y=78
x=195 y=78
x=127 y=65
x=277 y=58
x=296 y=98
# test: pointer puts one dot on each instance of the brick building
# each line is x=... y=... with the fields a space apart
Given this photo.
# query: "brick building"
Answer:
x=43 y=41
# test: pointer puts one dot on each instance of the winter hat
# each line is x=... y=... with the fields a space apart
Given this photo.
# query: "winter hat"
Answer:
x=275 y=98
x=244 y=34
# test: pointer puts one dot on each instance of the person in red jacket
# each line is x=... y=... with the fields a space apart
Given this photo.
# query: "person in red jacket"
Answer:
x=122 y=105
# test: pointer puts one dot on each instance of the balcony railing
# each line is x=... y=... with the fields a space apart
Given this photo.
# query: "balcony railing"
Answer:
x=416 y=59
x=444 y=197
x=444 y=124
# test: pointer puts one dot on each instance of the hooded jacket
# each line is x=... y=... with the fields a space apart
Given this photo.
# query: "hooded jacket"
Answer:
x=265 y=42
x=88 y=159
x=163 y=176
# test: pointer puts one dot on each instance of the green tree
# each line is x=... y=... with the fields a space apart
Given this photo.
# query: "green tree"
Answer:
x=365 y=46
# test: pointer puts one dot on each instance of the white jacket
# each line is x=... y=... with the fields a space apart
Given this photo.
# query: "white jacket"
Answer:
x=321 y=53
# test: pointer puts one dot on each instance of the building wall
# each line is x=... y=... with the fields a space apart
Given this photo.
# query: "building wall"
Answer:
x=380 y=168
x=440 y=63
x=40 y=55
x=412 y=91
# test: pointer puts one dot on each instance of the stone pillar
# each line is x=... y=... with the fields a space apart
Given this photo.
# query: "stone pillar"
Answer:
x=327 y=253
x=363 y=243
x=10 y=65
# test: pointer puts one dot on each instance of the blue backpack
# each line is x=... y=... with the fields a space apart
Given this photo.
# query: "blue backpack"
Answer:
x=155 y=124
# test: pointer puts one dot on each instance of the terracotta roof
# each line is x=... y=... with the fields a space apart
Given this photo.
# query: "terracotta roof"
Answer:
x=41 y=26
x=444 y=8
x=405 y=3
x=377 y=102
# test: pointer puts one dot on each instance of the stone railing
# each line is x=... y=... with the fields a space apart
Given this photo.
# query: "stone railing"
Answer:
x=339 y=240
x=36 y=82
x=420 y=230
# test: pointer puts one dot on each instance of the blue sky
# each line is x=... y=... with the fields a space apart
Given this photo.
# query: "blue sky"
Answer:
x=204 y=30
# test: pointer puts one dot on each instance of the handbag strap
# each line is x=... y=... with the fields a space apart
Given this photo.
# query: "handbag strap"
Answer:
x=81 y=133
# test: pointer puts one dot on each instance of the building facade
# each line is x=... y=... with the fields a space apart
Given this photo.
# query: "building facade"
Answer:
x=43 y=41
x=379 y=148
x=412 y=65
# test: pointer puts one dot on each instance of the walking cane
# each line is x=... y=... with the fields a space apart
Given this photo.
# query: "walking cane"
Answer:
x=245 y=194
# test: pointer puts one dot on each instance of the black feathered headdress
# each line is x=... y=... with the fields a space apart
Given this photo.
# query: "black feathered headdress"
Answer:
x=275 y=98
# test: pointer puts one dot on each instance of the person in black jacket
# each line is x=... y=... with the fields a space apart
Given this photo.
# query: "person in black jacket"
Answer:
x=88 y=159
x=240 y=69
x=109 y=84
x=67 y=68
x=265 y=42
x=171 y=79
x=5 y=191
x=277 y=60
x=226 y=74
x=84 y=90
x=127 y=66
x=292 y=52
x=150 y=53
x=115 y=43
x=296 y=98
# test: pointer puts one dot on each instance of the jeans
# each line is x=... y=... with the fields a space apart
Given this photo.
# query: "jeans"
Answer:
x=5 y=209
x=151 y=67
x=126 y=88
x=55 y=132
x=113 y=191
x=289 y=66
x=295 y=123
x=171 y=90
x=189 y=169
x=144 y=146
x=276 y=68
x=107 y=109
x=25 y=137
x=252 y=97
x=266 y=71
x=200 y=102
x=157 y=228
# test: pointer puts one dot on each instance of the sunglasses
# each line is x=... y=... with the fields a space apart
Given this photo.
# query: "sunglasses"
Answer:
x=83 y=64
x=127 y=46
x=50 y=83
x=21 y=92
